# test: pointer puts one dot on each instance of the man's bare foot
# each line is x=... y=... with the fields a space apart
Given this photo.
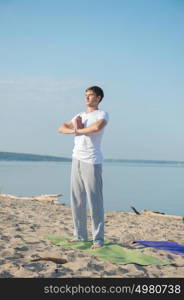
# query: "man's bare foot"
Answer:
x=96 y=246
x=73 y=241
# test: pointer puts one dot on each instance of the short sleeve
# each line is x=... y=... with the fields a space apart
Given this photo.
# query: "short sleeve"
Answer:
x=104 y=115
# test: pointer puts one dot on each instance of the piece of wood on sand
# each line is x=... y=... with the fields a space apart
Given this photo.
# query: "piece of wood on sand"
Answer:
x=153 y=213
x=53 y=259
x=52 y=198
x=135 y=210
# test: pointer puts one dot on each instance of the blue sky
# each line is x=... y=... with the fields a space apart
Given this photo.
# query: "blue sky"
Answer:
x=52 y=50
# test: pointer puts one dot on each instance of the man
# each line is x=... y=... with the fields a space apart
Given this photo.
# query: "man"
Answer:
x=86 y=174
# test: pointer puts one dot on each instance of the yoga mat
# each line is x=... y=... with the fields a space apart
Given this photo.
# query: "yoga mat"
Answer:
x=109 y=252
x=164 y=245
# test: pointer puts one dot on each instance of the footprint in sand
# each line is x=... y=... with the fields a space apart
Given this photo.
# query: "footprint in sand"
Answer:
x=24 y=248
x=7 y=253
x=5 y=238
x=34 y=267
x=6 y=274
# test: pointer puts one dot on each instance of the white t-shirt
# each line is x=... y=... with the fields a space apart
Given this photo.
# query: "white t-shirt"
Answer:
x=87 y=146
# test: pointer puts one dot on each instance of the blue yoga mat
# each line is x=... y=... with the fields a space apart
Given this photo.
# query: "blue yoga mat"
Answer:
x=164 y=245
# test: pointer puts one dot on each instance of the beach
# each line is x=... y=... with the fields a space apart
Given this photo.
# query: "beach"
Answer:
x=24 y=226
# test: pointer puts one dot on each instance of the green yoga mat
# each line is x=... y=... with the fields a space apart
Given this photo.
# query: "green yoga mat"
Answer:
x=109 y=251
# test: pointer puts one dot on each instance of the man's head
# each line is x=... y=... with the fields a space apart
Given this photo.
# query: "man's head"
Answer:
x=94 y=95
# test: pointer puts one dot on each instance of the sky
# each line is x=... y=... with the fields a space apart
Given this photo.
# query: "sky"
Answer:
x=51 y=51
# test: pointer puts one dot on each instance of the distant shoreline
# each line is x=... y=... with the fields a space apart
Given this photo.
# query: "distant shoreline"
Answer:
x=13 y=156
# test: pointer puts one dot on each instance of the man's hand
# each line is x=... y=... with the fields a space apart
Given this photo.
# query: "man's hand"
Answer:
x=69 y=127
x=78 y=123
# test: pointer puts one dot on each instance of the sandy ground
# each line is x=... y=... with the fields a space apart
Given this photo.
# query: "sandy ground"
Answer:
x=24 y=224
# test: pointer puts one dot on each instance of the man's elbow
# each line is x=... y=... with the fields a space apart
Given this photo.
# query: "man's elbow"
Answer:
x=61 y=129
x=100 y=126
x=96 y=128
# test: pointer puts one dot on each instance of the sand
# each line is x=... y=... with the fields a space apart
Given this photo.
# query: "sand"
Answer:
x=24 y=224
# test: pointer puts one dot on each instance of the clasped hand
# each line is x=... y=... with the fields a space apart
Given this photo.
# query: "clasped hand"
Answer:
x=78 y=124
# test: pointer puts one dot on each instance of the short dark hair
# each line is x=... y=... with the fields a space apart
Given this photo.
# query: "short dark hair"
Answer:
x=97 y=90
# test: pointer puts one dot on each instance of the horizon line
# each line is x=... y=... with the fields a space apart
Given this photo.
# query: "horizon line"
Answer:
x=105 y=159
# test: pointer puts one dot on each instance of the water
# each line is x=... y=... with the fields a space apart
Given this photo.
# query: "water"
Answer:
x=151 y=187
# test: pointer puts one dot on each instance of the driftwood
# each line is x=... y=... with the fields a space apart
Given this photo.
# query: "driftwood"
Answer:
x=155 y=213
x=52 y=198
x=53 y=259
x=152 y=213
x=135 y=210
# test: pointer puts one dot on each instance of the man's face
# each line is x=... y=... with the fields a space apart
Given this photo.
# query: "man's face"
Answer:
x=92 y=99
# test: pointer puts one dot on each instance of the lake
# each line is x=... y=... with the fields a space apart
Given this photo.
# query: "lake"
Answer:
x=152 y=187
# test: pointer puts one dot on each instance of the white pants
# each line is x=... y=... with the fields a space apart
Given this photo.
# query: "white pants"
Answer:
x=86 y=185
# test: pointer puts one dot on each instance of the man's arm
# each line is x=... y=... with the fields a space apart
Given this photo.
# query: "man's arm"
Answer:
x=70 y=127
x=66 y=128
x=95 y=127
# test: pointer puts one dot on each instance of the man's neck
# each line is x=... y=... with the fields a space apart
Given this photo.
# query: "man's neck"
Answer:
x=91 y=109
